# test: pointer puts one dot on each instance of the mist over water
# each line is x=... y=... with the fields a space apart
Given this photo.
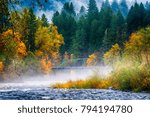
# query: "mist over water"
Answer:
x=38 y=87
x=58 y=76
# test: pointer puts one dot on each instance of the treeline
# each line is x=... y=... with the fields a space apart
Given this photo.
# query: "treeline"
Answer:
x=131 y=66
x=27 y=44
x=93 y=30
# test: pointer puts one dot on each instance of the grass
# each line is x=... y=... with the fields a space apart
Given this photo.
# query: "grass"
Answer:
x=125 y=77
x=94 y=82
x=135 y=78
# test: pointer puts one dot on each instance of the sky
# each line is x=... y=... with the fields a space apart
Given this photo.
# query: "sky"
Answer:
x=77 y=4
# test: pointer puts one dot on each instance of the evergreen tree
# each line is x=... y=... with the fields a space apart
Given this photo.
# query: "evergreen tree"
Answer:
x=106 y=15
x=79 y=44
x=72 y=10
x=92 y=11
x=45 y=21
x=147 y=5
x=92 y=25
x=107 y=40
x=121 y=29
x=68 y=9
x=65 y=21
x=4 y=15
x=124 y=8
x=115 y=29
x=55 y=18
x=135 y=19
x=94 y=39
x=147 y=15
x=105 y=4
x=82 y=12
x=115 y=6
x=32 y=30
x=25 y=23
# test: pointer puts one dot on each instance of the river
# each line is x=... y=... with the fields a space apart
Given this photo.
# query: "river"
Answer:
x=69 y=94
x=38 y=87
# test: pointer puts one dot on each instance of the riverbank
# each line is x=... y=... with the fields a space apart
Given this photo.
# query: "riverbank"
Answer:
x=125 y=78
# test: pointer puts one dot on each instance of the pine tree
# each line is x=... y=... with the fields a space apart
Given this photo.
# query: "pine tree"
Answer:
x=25 y=23
x=68 y=9
x=92 y=11
x=115 y=28
x=55 y=18
x=94 y=40
x=106 y=15
x=79 y=42
x=147 y=14
x=115 y=6
x=147 y=5
x=136 y=16
x=82 y=12
x=32 y=30
x=72 y=10
x=105 y=4
x=124 y=8
x=45 y=20
x=92 y=26
x=4 y=15
x=107 y=41
x=66 y=23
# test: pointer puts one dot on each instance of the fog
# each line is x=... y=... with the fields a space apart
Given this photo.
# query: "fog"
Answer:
x=58 y=76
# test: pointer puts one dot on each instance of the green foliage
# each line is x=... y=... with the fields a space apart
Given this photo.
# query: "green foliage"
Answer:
x=79 y=40
x=45 y=21
x=115 y=6
x=48 y=40
x=4 y=15
x=136 y=18
x=138 y=47
x=65 y=21
x=83 y=33
x=130 y=77
x=26 y=24
x=99 y=30
x=32 y=30
x=124 y=8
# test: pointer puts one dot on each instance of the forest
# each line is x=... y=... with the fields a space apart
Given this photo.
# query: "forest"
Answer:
x=117 y=35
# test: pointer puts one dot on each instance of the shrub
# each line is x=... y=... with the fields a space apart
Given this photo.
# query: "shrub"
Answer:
x=1 y=67
x=92 y=60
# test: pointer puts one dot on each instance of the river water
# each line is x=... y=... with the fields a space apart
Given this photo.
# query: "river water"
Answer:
x=38 y=88
x=69 y=94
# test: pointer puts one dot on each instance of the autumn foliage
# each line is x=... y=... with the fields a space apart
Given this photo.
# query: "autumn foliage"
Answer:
x=1 y=67
x=112 y=55
x=11 y=44
x=131 y=70
x=48 y=40
x=56 y=58
x=46 y=65
x=92 y=60
x=138 y=47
